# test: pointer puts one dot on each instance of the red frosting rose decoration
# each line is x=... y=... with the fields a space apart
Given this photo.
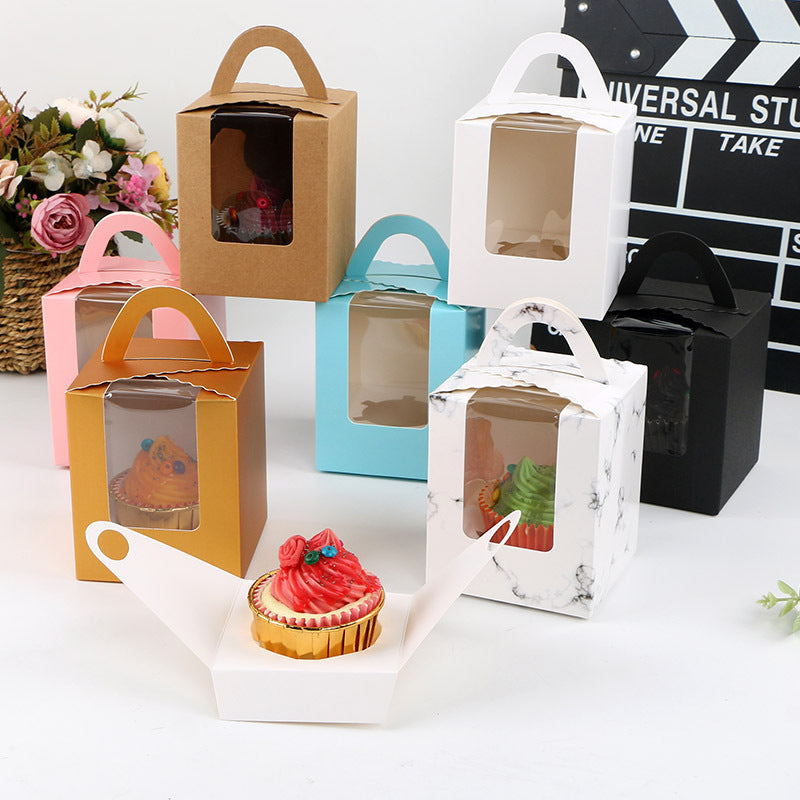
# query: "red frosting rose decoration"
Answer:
x=61 y=223
x=291 y=552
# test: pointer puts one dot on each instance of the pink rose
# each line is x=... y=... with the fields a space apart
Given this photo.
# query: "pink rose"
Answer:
x=61 y=222
x=291 y=552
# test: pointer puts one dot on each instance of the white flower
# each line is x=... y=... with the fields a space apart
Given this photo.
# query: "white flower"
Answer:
x=52 y=169
x=119 y=125
x=92 y=162
x=8 y=183
x=76 y=112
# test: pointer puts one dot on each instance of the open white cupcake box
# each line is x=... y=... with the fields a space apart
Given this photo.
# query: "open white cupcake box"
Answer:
x=207 y=609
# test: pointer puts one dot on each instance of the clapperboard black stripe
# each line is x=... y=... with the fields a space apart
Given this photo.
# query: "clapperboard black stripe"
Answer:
x=716 y=83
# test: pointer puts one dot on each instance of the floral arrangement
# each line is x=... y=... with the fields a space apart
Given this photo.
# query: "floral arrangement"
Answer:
x=64 y=168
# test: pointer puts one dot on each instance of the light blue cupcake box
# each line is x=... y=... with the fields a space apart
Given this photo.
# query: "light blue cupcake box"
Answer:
x=454 y=335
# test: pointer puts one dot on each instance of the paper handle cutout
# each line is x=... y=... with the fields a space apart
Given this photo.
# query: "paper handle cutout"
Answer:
x=93 y=259
x=440 y=591
x=268 y=36
x=193 y=598
x=694 y=249
x=548 y=312
x=545 y=44
x=380 y=231
x=124 y=326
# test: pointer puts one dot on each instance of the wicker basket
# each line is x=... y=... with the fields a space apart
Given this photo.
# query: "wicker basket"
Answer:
x=27 y=277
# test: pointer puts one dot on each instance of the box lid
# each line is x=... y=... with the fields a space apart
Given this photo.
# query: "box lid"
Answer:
x=209 y=363
x=595 y=384
x=596 y=108
x=364 y=273
x=717 y=306
x=97 y=269
x=313 y=98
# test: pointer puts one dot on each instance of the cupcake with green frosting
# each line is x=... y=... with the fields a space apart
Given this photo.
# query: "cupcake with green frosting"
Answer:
x=529 y=488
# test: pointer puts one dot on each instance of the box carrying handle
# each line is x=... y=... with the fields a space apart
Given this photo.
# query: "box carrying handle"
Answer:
x=693 y=248
x=548 y=312
x=545 y=44
x=124 y=326
x=93 y=259
x=268 y=36
x=371 y=242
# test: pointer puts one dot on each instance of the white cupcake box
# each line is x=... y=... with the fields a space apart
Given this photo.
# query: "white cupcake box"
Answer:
x=207 y=609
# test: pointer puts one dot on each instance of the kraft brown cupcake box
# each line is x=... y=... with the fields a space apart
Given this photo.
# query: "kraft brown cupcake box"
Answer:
x=208 y=609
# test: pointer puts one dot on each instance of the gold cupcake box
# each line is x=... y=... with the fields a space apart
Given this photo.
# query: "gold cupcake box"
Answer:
x=206 y=397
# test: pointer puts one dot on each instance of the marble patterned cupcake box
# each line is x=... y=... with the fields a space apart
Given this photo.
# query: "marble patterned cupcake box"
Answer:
x=573 y=424
x=79 y=310
x=541 y=186
x=208 y=610
x=168 y=437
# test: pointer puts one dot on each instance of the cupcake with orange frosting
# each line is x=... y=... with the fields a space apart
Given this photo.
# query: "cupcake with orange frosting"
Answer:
x=529 y=488
x=320 y=603
x=159 y=490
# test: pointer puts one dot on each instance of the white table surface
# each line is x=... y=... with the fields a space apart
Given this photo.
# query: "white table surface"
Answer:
x=680 y=686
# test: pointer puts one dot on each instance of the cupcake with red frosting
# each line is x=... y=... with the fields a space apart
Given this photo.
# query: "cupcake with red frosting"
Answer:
x=320 y=603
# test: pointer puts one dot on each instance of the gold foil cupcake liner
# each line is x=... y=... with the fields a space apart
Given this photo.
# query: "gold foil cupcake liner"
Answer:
x=313 y=643
x=180 y=518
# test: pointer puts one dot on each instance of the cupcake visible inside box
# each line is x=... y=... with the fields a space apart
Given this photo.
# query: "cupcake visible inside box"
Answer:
x=151 y=453
x=510 y=454
x=529 y=193
x=95 y=309
x=388 y=341
x=251 y=174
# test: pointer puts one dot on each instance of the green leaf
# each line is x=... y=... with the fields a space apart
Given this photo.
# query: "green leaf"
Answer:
x=86 y=131
x=786 y=589
x=796 y=626
x=137 y=237
x=786 y=609
x=45 y=118
x=117 y=161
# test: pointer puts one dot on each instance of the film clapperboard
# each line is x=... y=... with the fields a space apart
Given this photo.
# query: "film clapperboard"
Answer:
x=717 y=154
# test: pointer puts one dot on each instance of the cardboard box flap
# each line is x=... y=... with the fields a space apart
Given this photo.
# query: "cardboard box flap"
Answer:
x=315 y=98
x=196 y=600
x=716 y=305
x=364 y=273
x=267 y=94
x=596 y=108
x=97 y=269
x=209 y=362
x=194 y=603
x=593 y=383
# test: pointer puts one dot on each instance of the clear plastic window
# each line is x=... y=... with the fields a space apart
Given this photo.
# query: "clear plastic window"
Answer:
x=665 y=346
x=511 y=443
x=151 y=454
x=529 y=194
x=389 y=337
x=96 y=307
x=251 y=174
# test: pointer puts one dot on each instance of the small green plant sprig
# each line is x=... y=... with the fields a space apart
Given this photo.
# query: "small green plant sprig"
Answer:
x=790 y=602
